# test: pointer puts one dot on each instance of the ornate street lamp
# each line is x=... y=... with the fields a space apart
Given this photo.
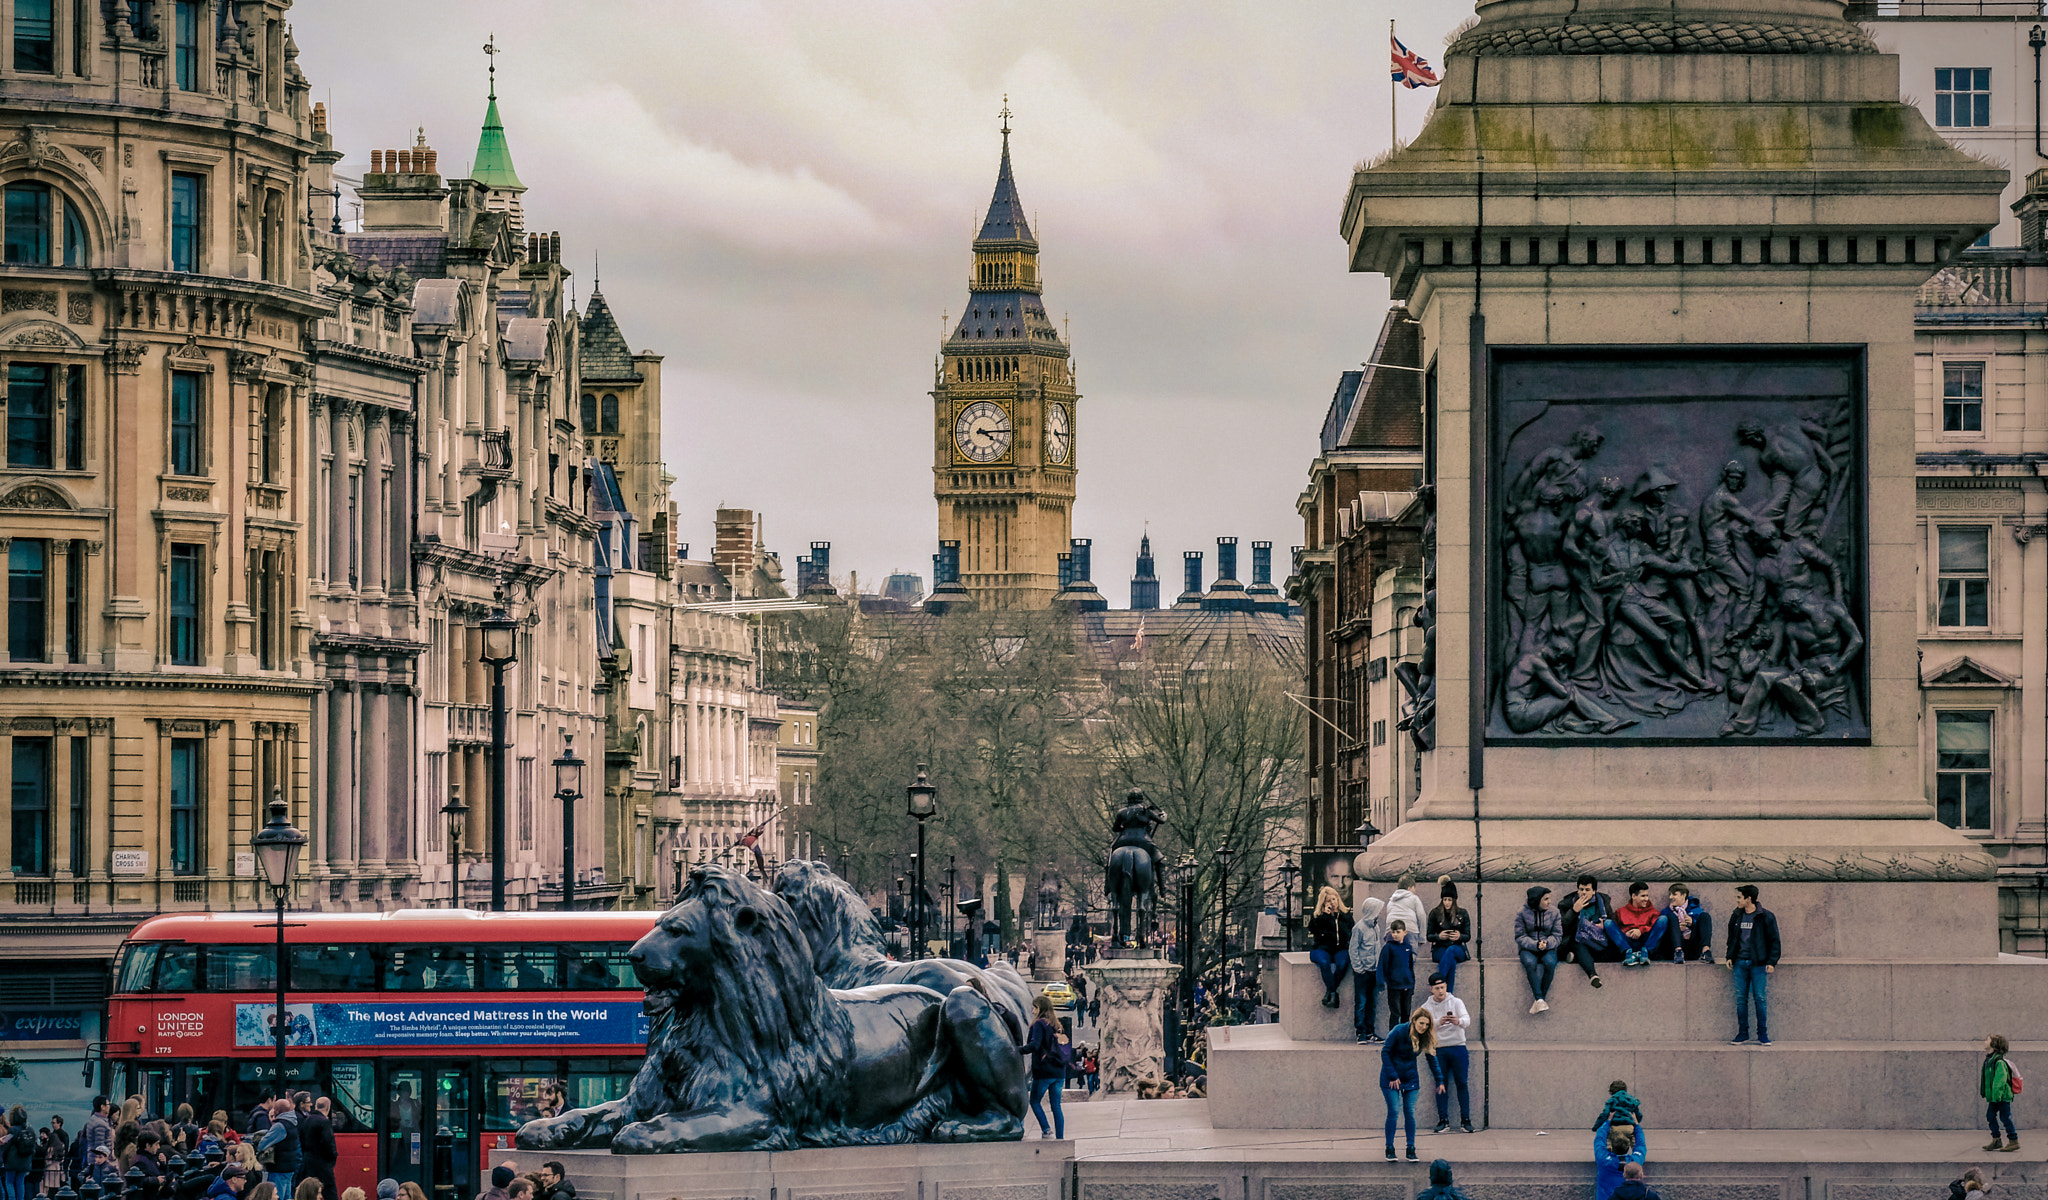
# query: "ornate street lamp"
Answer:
x=456 y=814
x=1366 y=832
x=1224 y=856
x=500 y=650
x=1289 y=872
x=680 y=855
x=922 y=802
x=568 y=789
x=277 y=846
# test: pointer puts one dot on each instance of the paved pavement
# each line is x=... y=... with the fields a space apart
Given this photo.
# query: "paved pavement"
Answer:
x=1179 y=1131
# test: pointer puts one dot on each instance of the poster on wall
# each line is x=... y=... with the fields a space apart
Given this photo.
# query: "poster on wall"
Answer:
x=1677 y=547
x=1325 y=868
x=581 y=1023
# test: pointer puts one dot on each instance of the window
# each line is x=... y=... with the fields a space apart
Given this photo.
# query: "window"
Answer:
x=188 y=404
x=1965 y=582
x=271 y=445
x=589 y=413
x=1962 y=97
x=35 y=36
x=28 y=600
x=74 y=236
x=31 y=806
x=27 y=213
x=1962 y=397
x=186 y=193
x=187 y=28
x=265 y=594
x=611 y=413
x=74 y=599
x=74 y=418
x=29 y=441
x=184 y=589
x=1962 y=769
x=186 y=771
x=79 y=857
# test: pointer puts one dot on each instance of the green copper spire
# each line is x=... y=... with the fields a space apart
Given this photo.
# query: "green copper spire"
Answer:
x=493 y=157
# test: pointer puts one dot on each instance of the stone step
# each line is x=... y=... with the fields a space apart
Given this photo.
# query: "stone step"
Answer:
x=1843 y=1000
x=1259 y=1078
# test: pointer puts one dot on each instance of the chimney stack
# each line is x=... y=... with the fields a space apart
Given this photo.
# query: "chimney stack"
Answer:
x=1191 y=577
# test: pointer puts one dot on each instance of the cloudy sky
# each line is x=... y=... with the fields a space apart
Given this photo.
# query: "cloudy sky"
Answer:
x=783 y=197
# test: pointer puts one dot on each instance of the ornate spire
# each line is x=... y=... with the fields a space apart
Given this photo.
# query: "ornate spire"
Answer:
x=1005 y=221
x=493 y=157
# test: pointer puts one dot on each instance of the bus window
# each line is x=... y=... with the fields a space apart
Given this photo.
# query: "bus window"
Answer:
x=597 y=967
x=177 y=968
x=592 y=1081
x=429 y=968
x=521 y=1090
x=138 y=968
x=350 y=1083
x=241 y=969
x=511 y=967
x=332 y=968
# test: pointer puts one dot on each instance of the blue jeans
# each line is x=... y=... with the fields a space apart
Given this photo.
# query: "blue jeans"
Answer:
x=1447 y=960
x=1752 y=982
x=1407 y=1096
x=1332 y=965
x=14 y=1184
x=1700 y=945
x=1541 y=969
x=1049 y=1087
x=283 y=1180
x=1452 y=1067
x=1365 y=994
x=2001 y=1111
x=1649 y=941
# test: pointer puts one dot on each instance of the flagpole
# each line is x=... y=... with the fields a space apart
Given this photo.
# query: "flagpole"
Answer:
x=1393 y=97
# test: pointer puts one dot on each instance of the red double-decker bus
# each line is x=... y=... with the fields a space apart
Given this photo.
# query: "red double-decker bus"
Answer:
x=436 y=1033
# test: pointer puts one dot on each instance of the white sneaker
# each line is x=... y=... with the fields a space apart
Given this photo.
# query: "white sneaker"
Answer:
x=1541 y=1006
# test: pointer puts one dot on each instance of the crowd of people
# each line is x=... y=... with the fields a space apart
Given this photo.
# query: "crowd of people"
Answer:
x=284 y=1149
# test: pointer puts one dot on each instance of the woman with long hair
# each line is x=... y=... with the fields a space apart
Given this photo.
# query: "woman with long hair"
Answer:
x=1046 y=1044
x=245 y=1154
x=308 y=1189
x=411 y=1191
x=1400 y=1056
x=1330 y=932
x=1450 y=928
x=18 y=1153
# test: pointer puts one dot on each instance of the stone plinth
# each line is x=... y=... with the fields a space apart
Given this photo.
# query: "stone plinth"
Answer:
x=1051 y=945
x=1027 y=1170
x=1134 y=993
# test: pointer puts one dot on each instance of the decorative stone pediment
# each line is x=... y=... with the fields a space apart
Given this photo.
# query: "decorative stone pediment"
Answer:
x=1968 y=672
x=36 y=495
x=38 y=334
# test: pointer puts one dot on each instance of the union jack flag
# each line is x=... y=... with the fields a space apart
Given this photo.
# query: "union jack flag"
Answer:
x=1411 y=68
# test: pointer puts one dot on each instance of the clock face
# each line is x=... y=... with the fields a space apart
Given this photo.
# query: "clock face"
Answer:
x=1059 y=437
x=982 y=432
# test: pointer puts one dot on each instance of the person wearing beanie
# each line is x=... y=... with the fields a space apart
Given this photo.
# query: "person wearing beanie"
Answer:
x=387 y=1189
x=1407 y=907
x=1449 y=931
x=1539 y=930
x=1440 y=1185
x=501 y=1177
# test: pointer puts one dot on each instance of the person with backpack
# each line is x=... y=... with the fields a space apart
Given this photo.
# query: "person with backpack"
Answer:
x=1047 y=1047
x=1998 y=1083
x=19 y=1149
x=1589 y=930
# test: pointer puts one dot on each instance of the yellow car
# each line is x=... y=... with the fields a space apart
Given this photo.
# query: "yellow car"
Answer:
x=1060 y=994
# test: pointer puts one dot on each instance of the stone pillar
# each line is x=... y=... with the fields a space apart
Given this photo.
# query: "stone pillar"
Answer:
x=1134 y=993
x=1051 y=945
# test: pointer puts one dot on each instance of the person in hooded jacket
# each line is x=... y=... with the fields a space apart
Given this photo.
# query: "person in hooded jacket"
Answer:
x=230 y=1183
x=1404 y=905
x=1368 y=937
x=1633 y=1186
x=1539 y=931
x=1440 y=1185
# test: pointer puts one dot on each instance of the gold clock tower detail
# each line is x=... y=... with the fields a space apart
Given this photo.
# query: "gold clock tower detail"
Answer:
x=1006 y=420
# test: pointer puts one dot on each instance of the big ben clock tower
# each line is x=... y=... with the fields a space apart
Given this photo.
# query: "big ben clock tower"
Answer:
x=1004 y=417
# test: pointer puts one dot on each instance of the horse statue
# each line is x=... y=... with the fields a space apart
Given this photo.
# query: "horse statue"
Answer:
x=1133 y=875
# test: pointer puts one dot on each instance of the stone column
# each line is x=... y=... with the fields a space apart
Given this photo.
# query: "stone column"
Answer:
x=1133 y=992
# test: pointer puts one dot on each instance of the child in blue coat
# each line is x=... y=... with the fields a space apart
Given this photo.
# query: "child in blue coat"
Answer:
x=1397 y=972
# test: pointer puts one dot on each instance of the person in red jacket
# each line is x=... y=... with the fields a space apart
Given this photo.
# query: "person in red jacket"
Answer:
x=1642 y=925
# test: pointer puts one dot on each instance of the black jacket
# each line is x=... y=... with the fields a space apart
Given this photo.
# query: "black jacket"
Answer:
x=1330 y=932
x=1441 y=923
x=316 y=1139
x=1764 y=945
x=1634 y=1189
x=1602 y=909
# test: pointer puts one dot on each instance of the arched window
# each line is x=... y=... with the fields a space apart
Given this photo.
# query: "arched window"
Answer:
x=28 y=223
x=589 y=413
x=611 y=413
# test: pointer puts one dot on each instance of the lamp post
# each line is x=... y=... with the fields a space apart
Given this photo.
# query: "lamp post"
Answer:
x=952 y=885
x=1187 y=868
x=456 y=814
x=679 y=856
x=1366 y=832
x=1289 y=872
x=922 y=802
x=568 y=789
x=277 y=846
x=1224 y=856
x=501 y=649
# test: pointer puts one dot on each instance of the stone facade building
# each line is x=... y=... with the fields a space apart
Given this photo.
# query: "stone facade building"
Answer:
x=157 y=302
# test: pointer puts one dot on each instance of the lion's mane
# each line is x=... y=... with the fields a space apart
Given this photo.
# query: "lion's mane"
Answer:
x=842 y=932
x=759 y=1013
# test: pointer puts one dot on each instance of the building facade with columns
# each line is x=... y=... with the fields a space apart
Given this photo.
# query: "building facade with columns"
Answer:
x=157 y=302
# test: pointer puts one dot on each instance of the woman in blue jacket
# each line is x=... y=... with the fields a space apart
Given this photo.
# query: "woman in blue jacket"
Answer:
x=1400 y=1057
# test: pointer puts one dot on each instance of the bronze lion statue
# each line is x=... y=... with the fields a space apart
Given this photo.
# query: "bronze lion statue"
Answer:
x=849 y=951
x=747 y=1048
